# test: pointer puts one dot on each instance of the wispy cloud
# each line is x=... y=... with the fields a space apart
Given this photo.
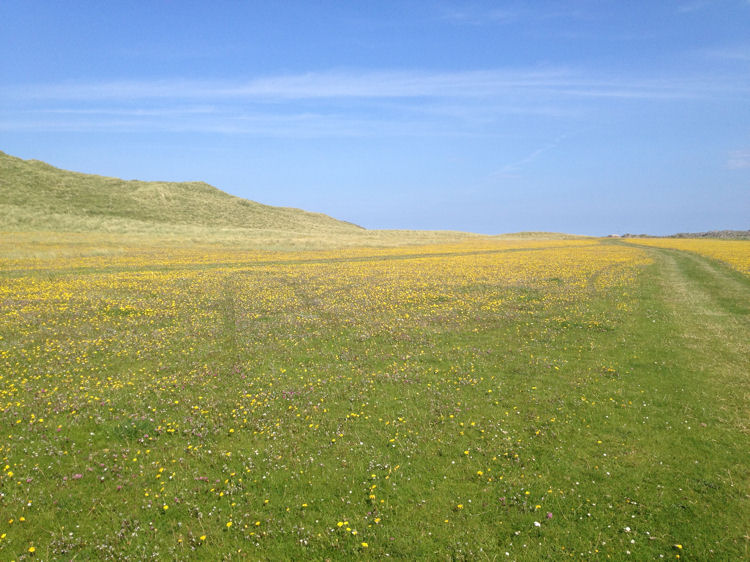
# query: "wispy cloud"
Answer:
x=159 y=112
x=739 y=53
x=694 y=6
x=344 y=102
x=511 y=169
x=698 y=5
x=307 y=86
x=386 y=84
x=233 y=121
x=738 y=159
x=467 y=15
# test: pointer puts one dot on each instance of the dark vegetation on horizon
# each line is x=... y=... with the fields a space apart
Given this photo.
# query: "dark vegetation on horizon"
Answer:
x=720 y=234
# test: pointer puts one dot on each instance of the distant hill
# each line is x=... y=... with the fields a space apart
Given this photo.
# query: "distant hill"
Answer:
x=37 y=196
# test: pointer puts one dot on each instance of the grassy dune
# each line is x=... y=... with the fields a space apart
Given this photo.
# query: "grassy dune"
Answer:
x=40 y=203
x=37 y=196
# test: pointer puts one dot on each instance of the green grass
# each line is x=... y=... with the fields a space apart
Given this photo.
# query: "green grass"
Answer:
x=37 y=196
x=619 y=410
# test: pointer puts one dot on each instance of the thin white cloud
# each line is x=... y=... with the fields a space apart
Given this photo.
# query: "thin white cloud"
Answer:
x=156 y=112
x=738 y=159
x=353 y=103
x=466 y=15
x=694 y=6
x=304 y=86
x=511 y=169
x=739 y=53
x=234 y=122
x=698 y=5
x=386 y=84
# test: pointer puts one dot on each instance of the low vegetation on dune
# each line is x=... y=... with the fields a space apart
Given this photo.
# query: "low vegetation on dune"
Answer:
x=514 y=399
x=37 y=196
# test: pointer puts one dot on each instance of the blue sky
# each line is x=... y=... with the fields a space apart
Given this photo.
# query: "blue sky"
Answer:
x=591 y=117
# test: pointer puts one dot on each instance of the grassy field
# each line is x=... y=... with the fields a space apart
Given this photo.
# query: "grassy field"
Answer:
x=735 y=253
x=473 y=398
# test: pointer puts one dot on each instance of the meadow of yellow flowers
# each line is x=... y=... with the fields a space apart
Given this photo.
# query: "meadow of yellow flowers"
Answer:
x=735 y=253
x=454 y=400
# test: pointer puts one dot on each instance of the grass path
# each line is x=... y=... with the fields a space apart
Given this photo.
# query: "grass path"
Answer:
x=708 y=305
x=711 y=306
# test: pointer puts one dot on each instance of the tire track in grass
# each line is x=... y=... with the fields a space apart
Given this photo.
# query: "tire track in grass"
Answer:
x=710 y=303
x=702 y=466
x=248 y=266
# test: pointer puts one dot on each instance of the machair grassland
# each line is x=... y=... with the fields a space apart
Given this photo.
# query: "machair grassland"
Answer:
x=735 y=253
x=468 y=400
